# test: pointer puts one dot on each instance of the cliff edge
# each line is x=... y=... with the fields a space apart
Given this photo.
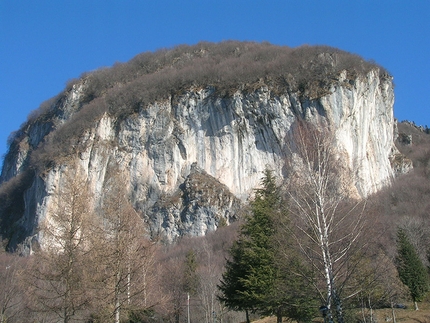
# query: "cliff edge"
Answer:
x=194 y=127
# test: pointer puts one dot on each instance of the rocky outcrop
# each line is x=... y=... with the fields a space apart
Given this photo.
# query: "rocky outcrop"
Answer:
x=194 y=158
x=201 y=204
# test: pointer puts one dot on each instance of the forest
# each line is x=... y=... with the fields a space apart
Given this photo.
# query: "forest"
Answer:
x=300 y=251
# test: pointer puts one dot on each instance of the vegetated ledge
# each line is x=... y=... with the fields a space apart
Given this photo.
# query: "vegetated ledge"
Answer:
x=228 y=66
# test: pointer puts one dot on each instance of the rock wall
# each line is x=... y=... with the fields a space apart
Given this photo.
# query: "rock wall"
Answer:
x=226 y=140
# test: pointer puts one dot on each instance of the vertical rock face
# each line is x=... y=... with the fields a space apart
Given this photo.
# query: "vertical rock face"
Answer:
x=364 y=126
x=192 y=160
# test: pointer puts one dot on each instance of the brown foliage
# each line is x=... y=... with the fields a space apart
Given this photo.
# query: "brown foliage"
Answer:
x=12 y=292
x=123 y=256
x=406 y=202
x=125 y=88
x=57 y=277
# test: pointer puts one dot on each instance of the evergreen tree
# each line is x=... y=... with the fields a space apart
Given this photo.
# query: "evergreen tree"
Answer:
x=191 y=279
x=412 y=271
x=255 y=278
x=260 y=229
x=233 y=286
x=294 y=294
x=250 y=274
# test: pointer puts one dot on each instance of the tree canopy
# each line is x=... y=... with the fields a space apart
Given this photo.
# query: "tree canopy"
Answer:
x=412 y=271
x=258 y=276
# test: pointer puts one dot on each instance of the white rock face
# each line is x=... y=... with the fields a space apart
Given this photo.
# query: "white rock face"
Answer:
x=364 y=124
x=231 y=139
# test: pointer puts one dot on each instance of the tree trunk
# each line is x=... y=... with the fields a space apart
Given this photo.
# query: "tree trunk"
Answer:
x=117 y=311
x=393 y=312
x=247 y=316
x=117 y=295
x=279 y=316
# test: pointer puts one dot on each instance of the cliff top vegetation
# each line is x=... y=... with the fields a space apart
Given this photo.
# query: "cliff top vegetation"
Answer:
x=227 y=66
x=126 y=88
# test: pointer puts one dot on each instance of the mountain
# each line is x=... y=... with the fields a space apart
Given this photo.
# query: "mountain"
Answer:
x=193 y=127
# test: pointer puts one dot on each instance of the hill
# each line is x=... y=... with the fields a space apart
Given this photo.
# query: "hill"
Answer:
x=227 y=108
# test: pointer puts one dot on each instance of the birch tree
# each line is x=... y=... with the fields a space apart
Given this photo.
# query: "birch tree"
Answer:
x=210 y=271
x=328 y=229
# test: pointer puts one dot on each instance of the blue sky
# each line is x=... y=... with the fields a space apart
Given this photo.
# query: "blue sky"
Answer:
x=43 y=44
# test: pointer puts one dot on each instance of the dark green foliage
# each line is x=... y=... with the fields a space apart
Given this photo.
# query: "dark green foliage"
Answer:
x=191 y=279
x=233 y=285
x=250 y=275
x=294 y=295
x=261 y=275
x=411 y=270
x=142 y=316
x=260 y=229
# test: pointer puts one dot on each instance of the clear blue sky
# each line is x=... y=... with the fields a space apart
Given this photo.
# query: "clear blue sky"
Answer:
x=43 y=44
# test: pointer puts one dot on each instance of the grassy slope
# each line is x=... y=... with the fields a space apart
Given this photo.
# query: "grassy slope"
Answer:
x=408 y=315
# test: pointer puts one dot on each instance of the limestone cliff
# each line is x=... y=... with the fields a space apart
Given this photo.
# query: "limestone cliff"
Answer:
x=194 y=155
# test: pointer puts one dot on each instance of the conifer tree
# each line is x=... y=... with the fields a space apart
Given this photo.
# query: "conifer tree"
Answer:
x=191 y=280
x=249 y=273
x=412 y=271
x=254 y=278
x=234 y=284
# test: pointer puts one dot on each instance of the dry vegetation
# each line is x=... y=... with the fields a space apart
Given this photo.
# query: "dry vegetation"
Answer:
x=405 y=204
x=408 y=315
x=407 y=201
x=52 y=133
x=126 y=88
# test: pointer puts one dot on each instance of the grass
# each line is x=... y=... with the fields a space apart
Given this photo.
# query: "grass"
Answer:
x=408 y=315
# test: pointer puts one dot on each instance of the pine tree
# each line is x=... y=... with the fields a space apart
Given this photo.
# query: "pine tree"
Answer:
x=412 y=271
x=234 y=284
x=249 y=273
x=255 y=278
x=191 y=280
x=294 y=294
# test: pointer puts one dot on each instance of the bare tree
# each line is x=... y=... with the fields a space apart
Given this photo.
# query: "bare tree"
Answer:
x=376 y=284
x=11 y=293
x=58 y=270
x=210 y=273
x=173 y=288
x=328 y=228
x=123 y=254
